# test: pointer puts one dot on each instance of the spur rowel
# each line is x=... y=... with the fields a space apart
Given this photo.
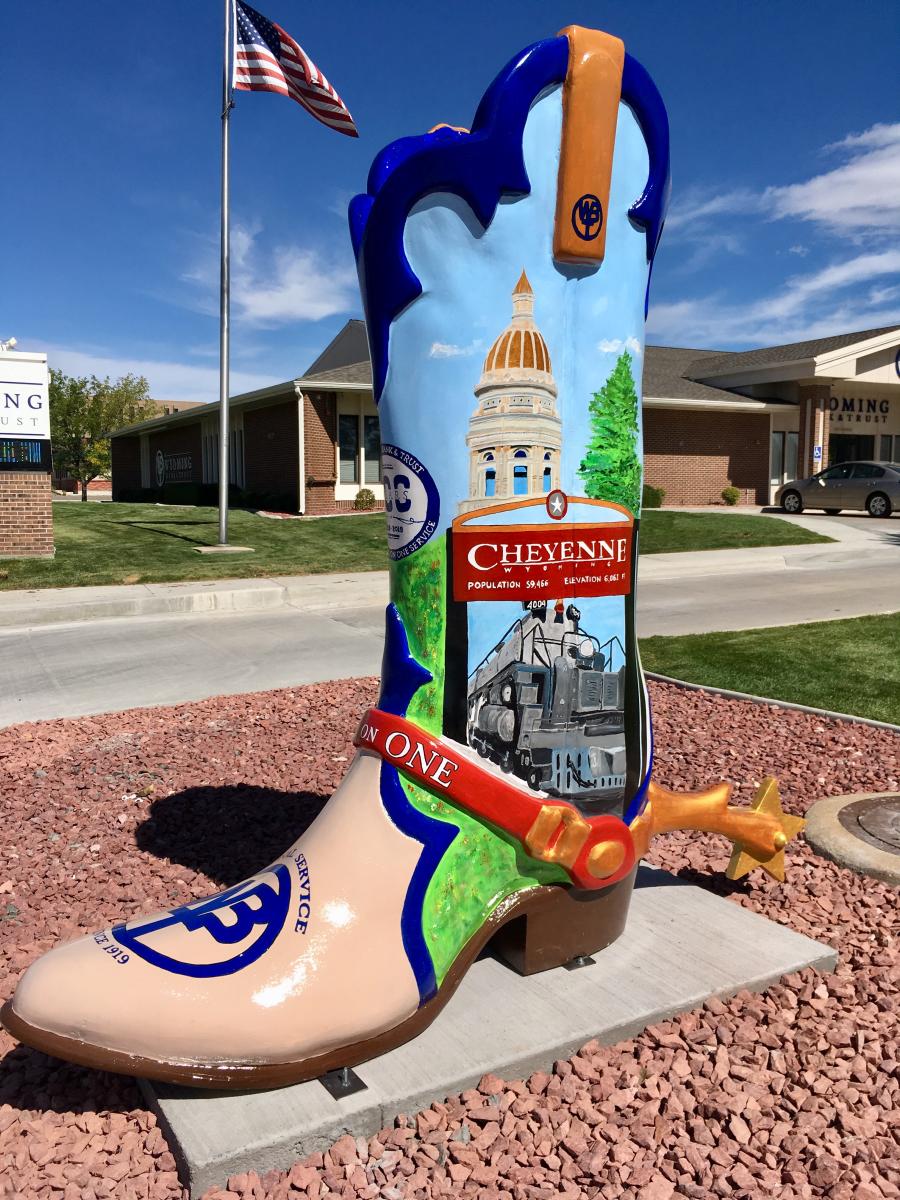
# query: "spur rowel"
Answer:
x=500 y=777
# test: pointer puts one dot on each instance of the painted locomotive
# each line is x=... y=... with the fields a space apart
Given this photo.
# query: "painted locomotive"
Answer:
x=547 y=704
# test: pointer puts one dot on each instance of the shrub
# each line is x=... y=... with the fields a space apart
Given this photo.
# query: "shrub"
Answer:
x=731 y=495
x=365 y=498
x=652 y=497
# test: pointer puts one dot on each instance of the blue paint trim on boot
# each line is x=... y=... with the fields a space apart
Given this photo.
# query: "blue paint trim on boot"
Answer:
x=436 y=837
x=480 y=167
x=401 y=677
x=401 y=673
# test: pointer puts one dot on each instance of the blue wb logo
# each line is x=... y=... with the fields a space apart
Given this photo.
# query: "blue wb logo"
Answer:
x=587 y=217
x=252 y=910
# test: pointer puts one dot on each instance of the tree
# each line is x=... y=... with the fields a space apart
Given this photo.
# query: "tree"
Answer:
x=611 y=468
x=83 y=413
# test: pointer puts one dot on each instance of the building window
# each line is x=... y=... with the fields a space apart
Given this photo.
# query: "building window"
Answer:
x=783 y=456
x=490 y=482
x=209 y=447
x=358 y=448
x=546 y=479
x=371 y=450
x=236 y=456
x=885 y=451
x=348 y=447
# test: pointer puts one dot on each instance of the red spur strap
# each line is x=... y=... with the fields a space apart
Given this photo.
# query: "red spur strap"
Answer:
x=594 y=851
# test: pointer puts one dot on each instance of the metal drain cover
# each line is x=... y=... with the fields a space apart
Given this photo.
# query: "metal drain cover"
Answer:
x=881 y=820
x=876 y=820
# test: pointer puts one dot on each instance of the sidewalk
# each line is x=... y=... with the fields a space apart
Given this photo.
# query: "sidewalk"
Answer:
x=89 y=650
x=853 y=548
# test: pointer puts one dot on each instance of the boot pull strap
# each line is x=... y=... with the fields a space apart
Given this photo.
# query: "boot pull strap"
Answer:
x=594 y=851
x=591 y=94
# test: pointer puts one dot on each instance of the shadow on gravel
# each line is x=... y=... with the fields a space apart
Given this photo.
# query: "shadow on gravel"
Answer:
x=715 y=882
x=227 y=833
x=35 y=1081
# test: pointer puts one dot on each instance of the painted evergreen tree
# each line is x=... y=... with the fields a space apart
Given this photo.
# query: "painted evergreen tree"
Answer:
x=611 y=468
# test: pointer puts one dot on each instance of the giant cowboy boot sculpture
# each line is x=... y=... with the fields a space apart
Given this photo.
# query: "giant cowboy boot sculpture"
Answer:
x=501 y=788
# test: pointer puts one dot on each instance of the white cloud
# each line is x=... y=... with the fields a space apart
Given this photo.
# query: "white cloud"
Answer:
x=805 y=306
x=168 y=380
x=272 y=287
x=616 y=345
x=856 y=201
x=876 y=135
x=694 y=206
x=858 y=196
x=340 y=202
x=448 y=350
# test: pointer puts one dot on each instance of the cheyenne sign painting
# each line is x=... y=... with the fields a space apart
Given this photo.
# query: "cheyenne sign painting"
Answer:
x=540 y=561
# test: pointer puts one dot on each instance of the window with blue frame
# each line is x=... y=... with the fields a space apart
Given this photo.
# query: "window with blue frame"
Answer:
x=520 y=473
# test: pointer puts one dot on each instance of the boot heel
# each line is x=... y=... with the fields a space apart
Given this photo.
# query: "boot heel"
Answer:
x=562 y=924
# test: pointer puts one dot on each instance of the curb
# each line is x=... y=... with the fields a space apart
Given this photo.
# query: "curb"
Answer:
x=769 y=701
x=145 y=606
x=309 y=592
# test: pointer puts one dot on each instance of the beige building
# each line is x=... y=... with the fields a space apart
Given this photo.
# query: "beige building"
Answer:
x=515 y=433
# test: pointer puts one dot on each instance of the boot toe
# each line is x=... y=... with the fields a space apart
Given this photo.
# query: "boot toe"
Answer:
x=70 y=993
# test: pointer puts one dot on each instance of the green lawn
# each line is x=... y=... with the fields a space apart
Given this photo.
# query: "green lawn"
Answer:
x=147 y=543
x=846 y=666
x=665 y=531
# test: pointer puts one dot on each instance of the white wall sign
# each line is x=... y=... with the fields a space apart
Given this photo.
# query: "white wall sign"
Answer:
x=24 y=395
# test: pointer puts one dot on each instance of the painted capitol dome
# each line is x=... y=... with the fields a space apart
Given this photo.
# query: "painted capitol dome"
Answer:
x=515 y=433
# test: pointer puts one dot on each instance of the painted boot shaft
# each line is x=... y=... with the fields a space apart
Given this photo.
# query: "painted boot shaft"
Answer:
x=501 y=789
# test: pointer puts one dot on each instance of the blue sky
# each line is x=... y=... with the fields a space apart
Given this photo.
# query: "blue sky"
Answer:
x=785 y=149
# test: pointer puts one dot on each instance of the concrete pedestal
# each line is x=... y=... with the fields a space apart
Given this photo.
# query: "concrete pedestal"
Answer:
x=681 y=946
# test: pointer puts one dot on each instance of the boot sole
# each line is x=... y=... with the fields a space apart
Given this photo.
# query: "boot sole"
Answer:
x=535 y=930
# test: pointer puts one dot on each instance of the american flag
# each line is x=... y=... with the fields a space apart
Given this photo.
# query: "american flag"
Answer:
x=266 y=59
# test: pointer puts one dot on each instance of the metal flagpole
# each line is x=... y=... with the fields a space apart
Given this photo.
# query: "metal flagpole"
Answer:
x=225 y=286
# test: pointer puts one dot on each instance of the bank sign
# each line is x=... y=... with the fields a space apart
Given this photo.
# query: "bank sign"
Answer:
x=859 y=410
x=24 y=396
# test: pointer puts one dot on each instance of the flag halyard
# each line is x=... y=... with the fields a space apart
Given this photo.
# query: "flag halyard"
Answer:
x=266 y=59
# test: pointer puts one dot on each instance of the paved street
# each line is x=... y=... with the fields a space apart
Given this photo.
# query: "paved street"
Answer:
x=88 y=666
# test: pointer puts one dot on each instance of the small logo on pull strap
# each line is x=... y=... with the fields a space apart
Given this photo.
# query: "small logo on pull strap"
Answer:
x=587 y=217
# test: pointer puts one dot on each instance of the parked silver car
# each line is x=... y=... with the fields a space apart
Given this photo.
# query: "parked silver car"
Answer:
x=874 y=486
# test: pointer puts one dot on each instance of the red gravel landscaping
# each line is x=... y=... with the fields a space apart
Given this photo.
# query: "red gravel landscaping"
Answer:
x=792 y=1093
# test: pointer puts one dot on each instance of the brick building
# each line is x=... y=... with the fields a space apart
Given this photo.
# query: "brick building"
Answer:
x=26 y=520
x=102 y=486
x=712 y=419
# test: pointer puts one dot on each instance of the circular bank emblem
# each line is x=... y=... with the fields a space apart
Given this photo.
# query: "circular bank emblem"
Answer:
x=411 y=501
x=160 y=468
